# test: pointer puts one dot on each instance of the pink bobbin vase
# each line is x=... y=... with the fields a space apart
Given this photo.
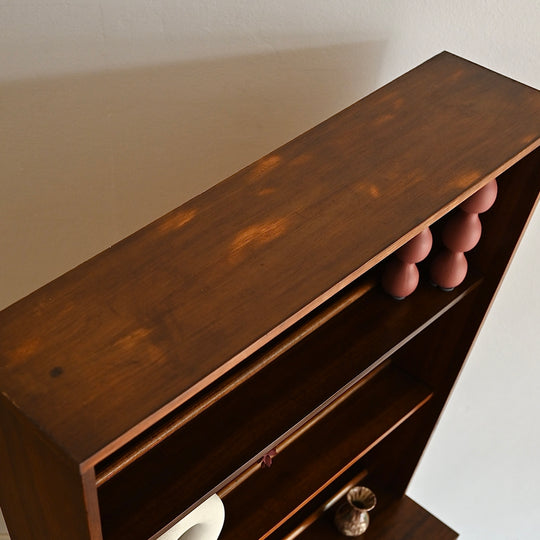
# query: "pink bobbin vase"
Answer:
x=461 y=233
x=400 y=277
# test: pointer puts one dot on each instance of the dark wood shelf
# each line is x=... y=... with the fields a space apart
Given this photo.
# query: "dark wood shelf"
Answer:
x=162 y=370
x=401 y=520
x=224 y=440
x=323 y=453
x=168 y=310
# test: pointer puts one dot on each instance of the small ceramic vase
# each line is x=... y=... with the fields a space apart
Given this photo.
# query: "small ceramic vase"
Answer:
x=352 y=518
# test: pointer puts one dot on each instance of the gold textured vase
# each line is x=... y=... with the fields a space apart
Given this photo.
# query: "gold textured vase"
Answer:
x=352 y=518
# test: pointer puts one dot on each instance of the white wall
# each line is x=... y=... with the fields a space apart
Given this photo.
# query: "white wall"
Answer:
x=244 y=77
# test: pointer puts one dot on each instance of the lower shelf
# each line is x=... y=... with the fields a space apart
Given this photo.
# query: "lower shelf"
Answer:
x=264 y=501
x=400 y=520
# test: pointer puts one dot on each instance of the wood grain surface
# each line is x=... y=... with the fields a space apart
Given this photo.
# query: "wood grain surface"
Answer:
x=43 y=494
x=99 y=354
x=336 y=353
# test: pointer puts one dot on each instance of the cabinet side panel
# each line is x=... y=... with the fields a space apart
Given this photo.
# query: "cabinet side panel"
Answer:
x=41 y=492
x=437 y=355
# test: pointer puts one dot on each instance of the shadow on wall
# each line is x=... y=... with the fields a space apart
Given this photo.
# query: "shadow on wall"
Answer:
x=88 y=159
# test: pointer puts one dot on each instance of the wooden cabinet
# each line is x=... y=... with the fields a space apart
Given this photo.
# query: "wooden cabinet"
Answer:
x=251 y=321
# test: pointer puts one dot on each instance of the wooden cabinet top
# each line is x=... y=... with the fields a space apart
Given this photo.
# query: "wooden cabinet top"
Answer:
x=105 y=350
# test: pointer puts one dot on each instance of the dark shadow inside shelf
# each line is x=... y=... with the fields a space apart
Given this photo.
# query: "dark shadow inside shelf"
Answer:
x=222 y=441
x=395 y=516
x=329 y=448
